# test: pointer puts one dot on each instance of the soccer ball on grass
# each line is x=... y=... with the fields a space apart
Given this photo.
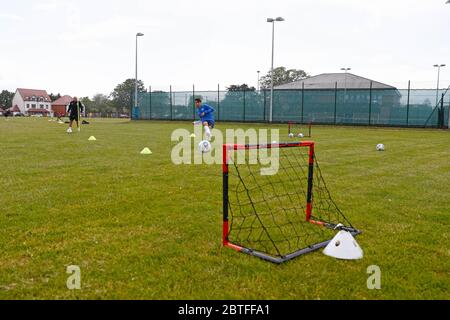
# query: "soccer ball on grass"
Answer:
x=204 y=146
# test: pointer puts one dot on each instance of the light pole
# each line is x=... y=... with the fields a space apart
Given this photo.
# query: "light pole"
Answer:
x=345 y=83
x=271 y=20
x=437 y=89
x=258 y=78
x=136 y=78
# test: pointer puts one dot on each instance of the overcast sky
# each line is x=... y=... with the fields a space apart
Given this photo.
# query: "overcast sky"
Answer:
x=86 y=47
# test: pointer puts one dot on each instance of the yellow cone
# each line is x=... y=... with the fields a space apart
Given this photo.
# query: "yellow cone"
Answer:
x=146 y=151
x=193 y=135
x=92 y=138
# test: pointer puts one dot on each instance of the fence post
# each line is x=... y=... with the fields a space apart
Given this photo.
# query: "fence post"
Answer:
x=264 y=119
x=335 y=101
x=193 y=102
x=150 y=101
x=441 y=114
x=218 y=102
x=171 y=107
x=303 y=100
x=370 y=103
x=448 y=121
x=244 y=105
x=407 y=104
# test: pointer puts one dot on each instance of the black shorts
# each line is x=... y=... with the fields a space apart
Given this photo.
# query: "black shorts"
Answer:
x=73 y=117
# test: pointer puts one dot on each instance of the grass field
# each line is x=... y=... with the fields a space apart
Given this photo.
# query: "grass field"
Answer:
x=140 y=227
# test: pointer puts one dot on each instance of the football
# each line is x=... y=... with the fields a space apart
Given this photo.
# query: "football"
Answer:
x=380 y=147
x=291 y=135
x=204 y=146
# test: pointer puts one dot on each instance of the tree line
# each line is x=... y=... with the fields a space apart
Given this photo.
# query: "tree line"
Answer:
x=120 y=99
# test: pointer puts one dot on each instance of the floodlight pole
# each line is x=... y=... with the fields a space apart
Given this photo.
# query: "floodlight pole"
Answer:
x=437 y=89
x=271 y=20
x=345 y=83
x=136 y=78
x=258 y=78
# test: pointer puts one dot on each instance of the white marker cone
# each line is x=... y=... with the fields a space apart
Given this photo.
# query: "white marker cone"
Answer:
x=344 y=246
x=92 y=138
x=193 y=135
x=146 y=151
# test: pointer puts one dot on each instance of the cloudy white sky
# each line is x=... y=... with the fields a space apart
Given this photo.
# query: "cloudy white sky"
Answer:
x=84 y=47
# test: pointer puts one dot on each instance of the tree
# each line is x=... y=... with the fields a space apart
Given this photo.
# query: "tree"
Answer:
x=54 y=97
x=240 y=87
x=124 y=93
x=6 y=98
x=282 y=76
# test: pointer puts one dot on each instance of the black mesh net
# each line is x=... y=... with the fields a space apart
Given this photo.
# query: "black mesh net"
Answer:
x=299 y=130
x=268 y=213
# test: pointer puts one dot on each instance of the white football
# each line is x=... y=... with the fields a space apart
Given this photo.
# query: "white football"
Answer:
x=300 y=135
x=380 y=147
x=204 y=146
x=291 y=135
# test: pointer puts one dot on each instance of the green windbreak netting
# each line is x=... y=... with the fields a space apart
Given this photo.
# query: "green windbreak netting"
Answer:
x=384 y=107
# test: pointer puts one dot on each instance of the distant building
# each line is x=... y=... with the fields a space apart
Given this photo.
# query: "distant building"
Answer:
x=327 y=81
x=32 y=102
x=338 y=97
x=59 y=107
x=15 y=110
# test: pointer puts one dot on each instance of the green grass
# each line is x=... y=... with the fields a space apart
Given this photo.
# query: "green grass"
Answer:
x=140 y=227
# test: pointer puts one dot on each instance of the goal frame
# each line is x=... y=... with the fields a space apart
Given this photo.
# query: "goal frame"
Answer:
x=227 y=148
x=291 y=124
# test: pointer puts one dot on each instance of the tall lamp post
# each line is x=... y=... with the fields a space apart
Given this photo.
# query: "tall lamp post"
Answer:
x=258 y=78
x=437 y=89
x=345 y=83
x=136 y=110
x=271 y=20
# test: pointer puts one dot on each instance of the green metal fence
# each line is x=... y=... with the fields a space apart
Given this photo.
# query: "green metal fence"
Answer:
x=385 y=107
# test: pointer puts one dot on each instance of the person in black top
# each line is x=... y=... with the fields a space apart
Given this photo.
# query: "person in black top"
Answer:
x=74 y=111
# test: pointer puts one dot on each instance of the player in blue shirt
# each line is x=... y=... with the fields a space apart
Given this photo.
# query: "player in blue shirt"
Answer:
x=206 y=114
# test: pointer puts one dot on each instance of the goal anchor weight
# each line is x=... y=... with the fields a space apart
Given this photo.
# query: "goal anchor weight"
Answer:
x=344 y=246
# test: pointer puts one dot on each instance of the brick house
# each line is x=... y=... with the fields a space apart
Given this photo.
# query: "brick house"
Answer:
x=32 y=102
x=59 y=107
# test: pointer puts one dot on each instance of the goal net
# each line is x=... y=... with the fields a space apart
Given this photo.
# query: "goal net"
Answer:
x=296 y=129
x=279 y=216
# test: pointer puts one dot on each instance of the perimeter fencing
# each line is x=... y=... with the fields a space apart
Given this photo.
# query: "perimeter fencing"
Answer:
x=425 y=108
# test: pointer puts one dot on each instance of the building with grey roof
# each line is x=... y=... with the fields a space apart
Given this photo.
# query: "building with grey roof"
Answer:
x=330 y=80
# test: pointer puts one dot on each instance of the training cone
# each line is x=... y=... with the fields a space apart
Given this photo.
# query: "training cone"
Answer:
x=146 y=151
x=92 y=138
x=193 y=135
x=344 y=246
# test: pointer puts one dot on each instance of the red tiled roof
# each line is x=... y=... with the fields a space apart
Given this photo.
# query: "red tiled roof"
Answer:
x=15 y=109
x=63 y=101
x=28 y=93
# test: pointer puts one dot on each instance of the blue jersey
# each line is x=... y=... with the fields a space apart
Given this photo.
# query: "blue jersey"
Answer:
x=208 y=113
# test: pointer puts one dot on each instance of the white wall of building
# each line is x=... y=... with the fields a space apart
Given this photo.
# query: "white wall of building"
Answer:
x=17 y=100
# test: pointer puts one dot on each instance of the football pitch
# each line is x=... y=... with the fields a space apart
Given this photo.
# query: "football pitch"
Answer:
x=140 y=227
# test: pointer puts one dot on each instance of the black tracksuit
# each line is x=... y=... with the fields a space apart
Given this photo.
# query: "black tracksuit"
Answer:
x=73 y=110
